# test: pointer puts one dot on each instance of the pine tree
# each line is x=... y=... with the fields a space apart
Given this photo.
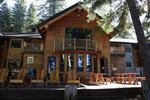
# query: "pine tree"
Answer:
x=31 y=17
x=6 y=24
x=1 y=1
x=51 y=7
x=19 y=14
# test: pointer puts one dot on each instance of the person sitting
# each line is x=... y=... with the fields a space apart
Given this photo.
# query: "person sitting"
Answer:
x=30 y=73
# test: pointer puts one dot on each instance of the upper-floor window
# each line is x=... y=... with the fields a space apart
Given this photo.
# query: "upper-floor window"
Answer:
x=128 y=48
x=78 y=33
x=16 y=43
x=128 y=64
x=2 y=41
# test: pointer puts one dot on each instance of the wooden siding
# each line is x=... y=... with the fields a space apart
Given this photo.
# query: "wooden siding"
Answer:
x=38 y=60
x=56 y=31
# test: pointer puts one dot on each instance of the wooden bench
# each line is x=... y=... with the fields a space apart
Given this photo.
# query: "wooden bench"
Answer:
x=20 y=77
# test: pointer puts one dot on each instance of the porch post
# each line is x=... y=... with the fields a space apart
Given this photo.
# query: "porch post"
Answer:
x=65 y=61
x=84 y=62
x=75 y=62
x=98 y=63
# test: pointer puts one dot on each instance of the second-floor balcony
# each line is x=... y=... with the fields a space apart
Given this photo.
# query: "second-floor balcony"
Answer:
x=75 y=44
x=33 y=47
x=117 y=50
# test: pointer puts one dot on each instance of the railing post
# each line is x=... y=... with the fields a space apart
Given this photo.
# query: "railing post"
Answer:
x=86 y=44
x=74 y=43
x=95 y=45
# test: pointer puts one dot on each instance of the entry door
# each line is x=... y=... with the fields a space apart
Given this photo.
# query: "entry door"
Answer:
x=104 y=65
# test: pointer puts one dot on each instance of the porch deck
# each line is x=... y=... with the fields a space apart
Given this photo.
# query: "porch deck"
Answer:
x=84 y=92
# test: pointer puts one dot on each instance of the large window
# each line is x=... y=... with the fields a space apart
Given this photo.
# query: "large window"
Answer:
x=78 y=33
x=80 y=63
x=15 y=43
x=70 y=61
x=88 y=63
x=51 y=63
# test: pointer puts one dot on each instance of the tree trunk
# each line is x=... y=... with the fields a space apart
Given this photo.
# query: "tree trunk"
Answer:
x=142 y=43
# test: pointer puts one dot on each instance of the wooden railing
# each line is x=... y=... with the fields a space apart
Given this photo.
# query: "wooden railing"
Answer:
x=33 y=47
x=75 y=44
x=117 y=50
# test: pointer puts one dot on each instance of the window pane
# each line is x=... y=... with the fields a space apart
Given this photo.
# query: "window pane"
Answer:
x=62 y=63
x=51 y=63
x=16 y=44
x=88 y=63
x=70 y=61
x=128 y=64
x=80 y=63
x=78 y=33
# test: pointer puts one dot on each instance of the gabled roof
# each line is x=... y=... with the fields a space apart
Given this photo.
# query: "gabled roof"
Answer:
x=63 y=13
x=21 y=35
x=122 y=40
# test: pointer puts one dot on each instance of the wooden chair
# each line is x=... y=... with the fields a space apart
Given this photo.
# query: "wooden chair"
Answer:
x=54 y=78
x=3 y=75
x=19 y=78
x=72 y=77
x=39 y=79
x=121 y=78
x=139 y=79
x=92 y=78
x=101 y=79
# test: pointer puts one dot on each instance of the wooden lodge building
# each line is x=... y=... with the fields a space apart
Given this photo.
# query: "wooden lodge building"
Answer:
x=66 y=41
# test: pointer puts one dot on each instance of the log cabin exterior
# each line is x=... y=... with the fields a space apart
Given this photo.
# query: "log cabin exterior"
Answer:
x=66 y=41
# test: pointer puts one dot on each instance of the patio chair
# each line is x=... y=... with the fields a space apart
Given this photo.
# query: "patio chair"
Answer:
x=139 y=79
x=39 y=79
x=54 y=78
x=121 y=78
x=19 y=77
x=3 y=76
x=101 y=79
x=72 y=77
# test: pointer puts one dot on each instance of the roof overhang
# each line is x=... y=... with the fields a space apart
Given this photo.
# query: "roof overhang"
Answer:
x=60 y=15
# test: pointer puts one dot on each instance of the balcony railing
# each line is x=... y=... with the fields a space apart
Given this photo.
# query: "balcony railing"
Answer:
x=118 y=50
x=74 y=44
x=33 y=46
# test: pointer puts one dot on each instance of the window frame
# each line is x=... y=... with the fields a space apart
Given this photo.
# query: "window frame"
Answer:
x=16 y=40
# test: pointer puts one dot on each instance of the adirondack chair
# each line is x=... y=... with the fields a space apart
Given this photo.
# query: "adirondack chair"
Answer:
x=72 y=77
x=3 y=76
x=93 y=78
x=19 y=78
x=54 y=78
x=39 y=79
